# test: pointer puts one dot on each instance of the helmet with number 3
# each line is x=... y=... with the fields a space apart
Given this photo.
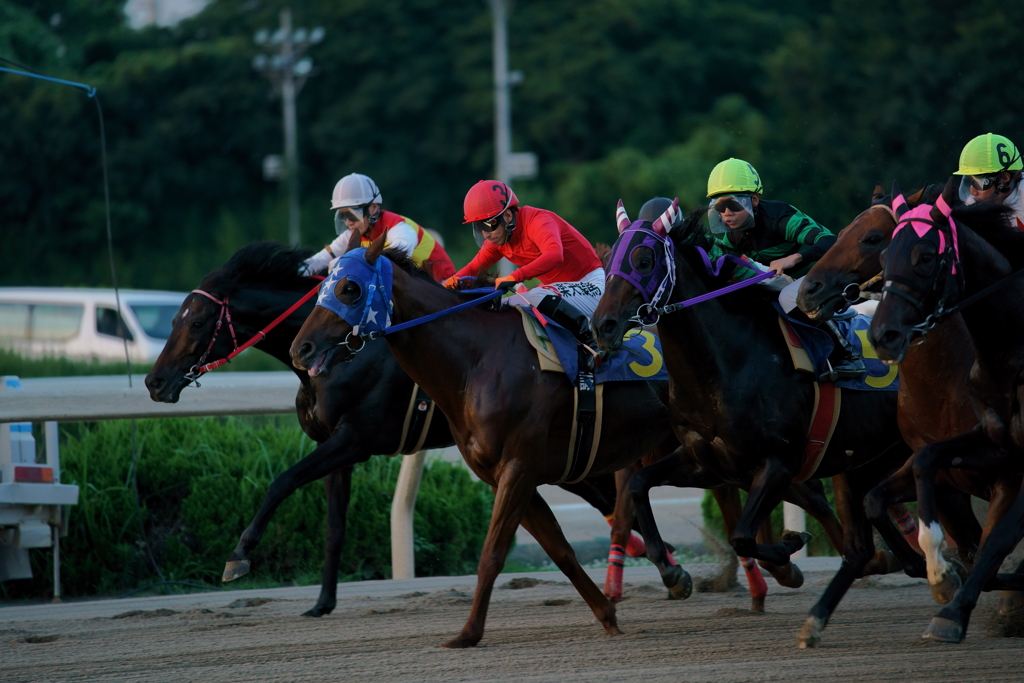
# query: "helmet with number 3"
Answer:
x=989 y=153
x=487 y=199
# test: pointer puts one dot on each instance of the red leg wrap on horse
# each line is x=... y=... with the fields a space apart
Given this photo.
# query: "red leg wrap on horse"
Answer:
x=635 y=546
x=908 y=527
x=755 y=579
x=613 y=577
x=671 y=560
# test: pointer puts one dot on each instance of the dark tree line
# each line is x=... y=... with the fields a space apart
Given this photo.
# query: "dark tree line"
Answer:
x=620 y=99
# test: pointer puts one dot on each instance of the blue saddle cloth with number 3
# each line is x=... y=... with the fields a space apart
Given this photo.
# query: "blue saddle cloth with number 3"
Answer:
x=638 y=359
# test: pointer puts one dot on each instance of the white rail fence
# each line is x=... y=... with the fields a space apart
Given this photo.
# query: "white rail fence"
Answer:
x=28 y=506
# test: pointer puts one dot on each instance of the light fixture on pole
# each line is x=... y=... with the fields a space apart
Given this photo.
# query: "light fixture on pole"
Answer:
x=287 y=70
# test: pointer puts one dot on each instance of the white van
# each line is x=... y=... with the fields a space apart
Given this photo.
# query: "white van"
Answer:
x=36 y=322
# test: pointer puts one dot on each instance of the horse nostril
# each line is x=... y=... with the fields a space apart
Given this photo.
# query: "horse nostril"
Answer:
x=888 y=338
x=608 y=327
x=306 y=349
x=155 y=383
x=812 y=286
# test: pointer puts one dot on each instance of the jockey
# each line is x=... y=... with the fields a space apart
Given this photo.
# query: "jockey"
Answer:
x=991 y=168
x=544 y=246
x=775 y=234
x=357 y=205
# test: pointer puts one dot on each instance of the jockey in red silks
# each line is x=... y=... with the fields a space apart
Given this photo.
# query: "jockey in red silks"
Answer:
x=357 y=205
x=544 y=246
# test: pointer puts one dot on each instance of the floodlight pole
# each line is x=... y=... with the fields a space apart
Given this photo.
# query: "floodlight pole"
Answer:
x=502 y=103
x=291 y=142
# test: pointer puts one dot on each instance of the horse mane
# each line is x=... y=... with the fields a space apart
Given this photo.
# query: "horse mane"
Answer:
x=990 y=223
x=266 y=265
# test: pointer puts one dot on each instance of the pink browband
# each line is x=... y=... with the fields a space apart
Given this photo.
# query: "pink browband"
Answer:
x=920 y=218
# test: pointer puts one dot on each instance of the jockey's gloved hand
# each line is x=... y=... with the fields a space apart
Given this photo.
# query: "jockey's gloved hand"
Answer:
x=316 y=263
x=452 y=282
x=507 y=283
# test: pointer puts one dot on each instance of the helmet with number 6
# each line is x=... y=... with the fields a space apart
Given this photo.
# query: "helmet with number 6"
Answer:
x=989 y=153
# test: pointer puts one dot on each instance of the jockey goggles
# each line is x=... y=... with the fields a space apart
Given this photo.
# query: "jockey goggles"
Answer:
x=352 y=213
x=735 y=203
x=978 y=182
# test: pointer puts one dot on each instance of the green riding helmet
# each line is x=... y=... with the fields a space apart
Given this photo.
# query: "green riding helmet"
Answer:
x=734 y=175
x=983 y=159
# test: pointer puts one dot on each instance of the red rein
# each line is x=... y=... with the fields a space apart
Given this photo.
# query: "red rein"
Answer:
x=202 y=367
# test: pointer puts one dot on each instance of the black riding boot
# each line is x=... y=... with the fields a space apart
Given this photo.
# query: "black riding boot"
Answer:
x=572 y=319
x=844 y=361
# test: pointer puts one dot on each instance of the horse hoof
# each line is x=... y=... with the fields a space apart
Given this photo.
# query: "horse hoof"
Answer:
x=757 y=604
x=1010 y=603
x=678 y=582
x=234 y=569
x=318 y=610
x=796 y=578
x=943 y=630
x=460 y=643
x=802 y=537
x=810 y=634
x=943 y=592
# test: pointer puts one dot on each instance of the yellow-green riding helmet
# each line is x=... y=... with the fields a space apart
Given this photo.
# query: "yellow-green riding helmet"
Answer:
x=733 y=175
x=989 y=153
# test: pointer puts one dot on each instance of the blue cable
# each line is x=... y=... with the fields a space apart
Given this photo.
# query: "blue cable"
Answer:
x=90 y=91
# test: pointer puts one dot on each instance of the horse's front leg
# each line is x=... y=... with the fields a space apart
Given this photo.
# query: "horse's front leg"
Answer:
x=728 y=500
x=338 y=487
x=675 y=469
x=340 y=450
x=970 y=451
x=767 y=489
x=621 y=521
x=542 y=525
x=512 y=498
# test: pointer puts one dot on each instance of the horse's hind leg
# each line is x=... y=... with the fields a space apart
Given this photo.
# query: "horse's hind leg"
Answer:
x=849 y=489
x=728 y=499
x=621 y=521
x=895 y=489
x=541 y=523
x=970 y=451
x=950 y=625
x=512 y=498
x=338 y=487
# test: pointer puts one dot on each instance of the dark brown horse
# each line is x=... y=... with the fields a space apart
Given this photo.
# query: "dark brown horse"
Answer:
x=937 y=261
x=511 y=421
x=743 y=413
x=352 y=410
x=932 y=404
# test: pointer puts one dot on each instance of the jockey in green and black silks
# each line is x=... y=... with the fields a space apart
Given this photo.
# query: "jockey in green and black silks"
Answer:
x=772 y=234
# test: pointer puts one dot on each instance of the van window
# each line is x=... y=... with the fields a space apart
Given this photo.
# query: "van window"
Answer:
x=155 y=319
x=45 y=322
x=109 y=322
x=55 y=322
x=14 y=321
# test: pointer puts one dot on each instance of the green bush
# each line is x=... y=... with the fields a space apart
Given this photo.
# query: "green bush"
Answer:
x=819 y=545
x=200 y=482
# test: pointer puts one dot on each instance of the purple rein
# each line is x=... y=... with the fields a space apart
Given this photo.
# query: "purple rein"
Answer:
x=659 y=284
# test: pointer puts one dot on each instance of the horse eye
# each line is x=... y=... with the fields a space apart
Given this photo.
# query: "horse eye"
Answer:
x=197 y=324
x=350 y=288
x=873 y=240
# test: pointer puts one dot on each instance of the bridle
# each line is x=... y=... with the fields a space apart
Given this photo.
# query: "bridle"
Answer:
x=202 y=367
x=948 y=281
x=853 y=292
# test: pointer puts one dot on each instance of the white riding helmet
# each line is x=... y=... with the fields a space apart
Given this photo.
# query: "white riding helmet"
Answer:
x=355 y=189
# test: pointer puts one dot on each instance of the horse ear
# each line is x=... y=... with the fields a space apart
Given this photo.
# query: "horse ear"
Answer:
x=374 y=251
x=667 y=220
x=899 y=203
x=355 y=240
x=944 y=204
x=620 y=217
x=878 y=193
x=915 y=199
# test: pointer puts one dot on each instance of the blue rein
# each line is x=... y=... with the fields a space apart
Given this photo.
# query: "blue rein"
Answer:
x=488 y=295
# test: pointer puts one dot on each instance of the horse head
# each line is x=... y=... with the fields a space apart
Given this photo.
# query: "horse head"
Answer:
x=921 y=273
x=641 y=274
x=259 y=281
x=354 y=299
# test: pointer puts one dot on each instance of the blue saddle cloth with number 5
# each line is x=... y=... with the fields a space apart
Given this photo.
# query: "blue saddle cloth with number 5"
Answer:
x=639 y=358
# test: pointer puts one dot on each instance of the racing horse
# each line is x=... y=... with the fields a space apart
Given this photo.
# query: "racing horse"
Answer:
x=931 y=405
x=353 y=412
x=510 y=420
x=940 y=262
x=741 y=410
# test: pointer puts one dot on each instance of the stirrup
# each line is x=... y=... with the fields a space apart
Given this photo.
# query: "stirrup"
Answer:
x=851 y=368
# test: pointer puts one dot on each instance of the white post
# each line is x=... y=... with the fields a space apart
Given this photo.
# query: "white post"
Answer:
x=403 y=555
x=291 y=144
x=794 y=520
x=56 y=563
x=52 y=449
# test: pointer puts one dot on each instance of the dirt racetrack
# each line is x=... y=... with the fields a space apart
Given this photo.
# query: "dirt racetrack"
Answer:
x=390 y=630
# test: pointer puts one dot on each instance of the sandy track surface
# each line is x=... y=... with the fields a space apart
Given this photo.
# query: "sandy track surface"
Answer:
x=541 y=633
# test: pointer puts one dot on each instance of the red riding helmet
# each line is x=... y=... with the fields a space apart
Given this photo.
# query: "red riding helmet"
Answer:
x=487 y=199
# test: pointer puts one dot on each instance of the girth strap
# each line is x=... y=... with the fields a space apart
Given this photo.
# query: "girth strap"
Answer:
x=585 y=437
x=417 y=422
